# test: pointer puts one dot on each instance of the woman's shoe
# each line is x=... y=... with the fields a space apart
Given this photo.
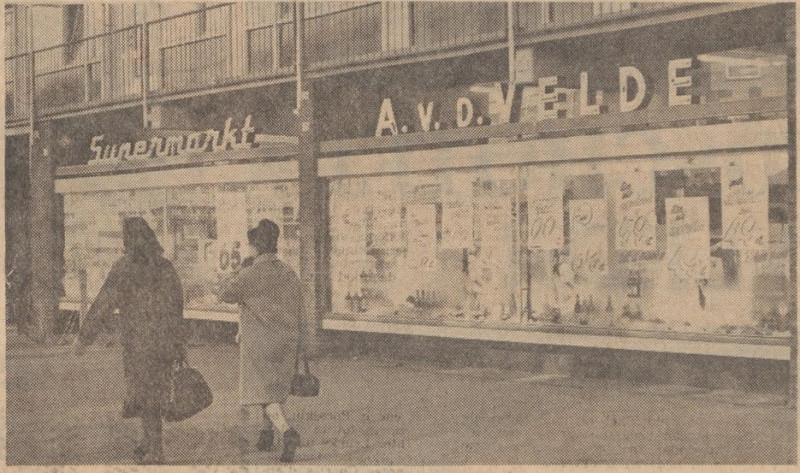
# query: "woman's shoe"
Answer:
x=138 y=454
x=291 y=440
x=265 y=441
x=152 y=459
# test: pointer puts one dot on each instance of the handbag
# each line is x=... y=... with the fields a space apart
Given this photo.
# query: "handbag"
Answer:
x=188 y=393
x=304 y=384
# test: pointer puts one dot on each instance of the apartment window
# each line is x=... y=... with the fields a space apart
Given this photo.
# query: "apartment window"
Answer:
x=202 y=18
x=73 y=30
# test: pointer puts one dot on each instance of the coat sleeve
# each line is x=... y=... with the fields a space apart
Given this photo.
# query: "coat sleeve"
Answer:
x=236 y=288
x=107 y=301
x=177 y=328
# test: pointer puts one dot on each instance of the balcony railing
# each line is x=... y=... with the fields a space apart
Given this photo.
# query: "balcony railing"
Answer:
x=232 y=43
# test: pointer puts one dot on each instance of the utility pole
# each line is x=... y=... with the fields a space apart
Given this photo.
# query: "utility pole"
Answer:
x=309 y=212
x=791 y=109
x=43 y=283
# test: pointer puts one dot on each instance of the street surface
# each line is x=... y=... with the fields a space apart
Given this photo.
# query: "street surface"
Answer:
x=66 y=410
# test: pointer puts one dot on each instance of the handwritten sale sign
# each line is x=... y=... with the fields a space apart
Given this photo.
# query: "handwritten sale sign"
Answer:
x=545 y=210
x=231 y=245
x=588 y=240
x=635 y=204
x=745 y=206
x=688 y=241
x=421 y=220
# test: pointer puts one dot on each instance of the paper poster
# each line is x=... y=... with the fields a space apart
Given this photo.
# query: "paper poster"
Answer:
x=545 y=210
x=231 y=244
x=688 y=241
x=745 y=206
x=421 y=227
x=635 y=204
x=266 y=202
x=588 y=239
x=387 y=231
x=457 y=214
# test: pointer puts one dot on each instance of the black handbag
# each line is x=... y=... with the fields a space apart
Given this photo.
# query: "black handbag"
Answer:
x=304 y=384
x=188 y=393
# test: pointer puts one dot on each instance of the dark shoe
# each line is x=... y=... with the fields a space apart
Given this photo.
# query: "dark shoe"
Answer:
x=138 y=454
x=152 y=459
x=265 y=440
x=291 y=440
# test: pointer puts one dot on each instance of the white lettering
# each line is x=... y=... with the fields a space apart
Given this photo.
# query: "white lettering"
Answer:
x=465 y=111
x=124 y=151
x=228 y=137
x=246 y=131
x=386 y=119
x=626 y=74
x=140 y=150
x=587 y=108
x=676 y=82
x=96 y=148
x=425 y=116
x=551 y=99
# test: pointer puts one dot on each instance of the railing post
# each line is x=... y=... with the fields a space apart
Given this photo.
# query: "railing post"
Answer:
x=231 y=47
x=144 y=70
x=85 y=72
x=511 y=19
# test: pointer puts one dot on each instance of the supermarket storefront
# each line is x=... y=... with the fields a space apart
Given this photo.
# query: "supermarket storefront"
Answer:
x=639 y=206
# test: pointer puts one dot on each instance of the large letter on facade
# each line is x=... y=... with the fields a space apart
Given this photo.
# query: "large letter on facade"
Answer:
x=465 y=111
x=97 y=149
x=676 y=82
x=626 y=75
x=386 y=119
x=587 y=108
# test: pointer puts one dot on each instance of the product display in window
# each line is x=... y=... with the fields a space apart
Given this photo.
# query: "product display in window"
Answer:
x=422 y=255
x=714 y=261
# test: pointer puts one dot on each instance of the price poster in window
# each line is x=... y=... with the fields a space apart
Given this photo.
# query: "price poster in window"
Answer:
x=688 y=240
x=421 y=221
x=745 y=206
x=635 y=204
x=588 y=237
x=457 y=214
x=231 y=245
x=545 y=210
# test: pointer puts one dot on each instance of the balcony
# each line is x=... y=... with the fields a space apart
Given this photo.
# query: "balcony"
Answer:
x=228 y=45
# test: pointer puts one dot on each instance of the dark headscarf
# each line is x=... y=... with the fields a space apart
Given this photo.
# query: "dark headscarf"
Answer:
x=139 y=240
x=264 y=237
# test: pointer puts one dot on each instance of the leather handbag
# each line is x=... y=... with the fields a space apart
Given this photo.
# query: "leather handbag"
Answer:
x=188 y=393
x=304 y=384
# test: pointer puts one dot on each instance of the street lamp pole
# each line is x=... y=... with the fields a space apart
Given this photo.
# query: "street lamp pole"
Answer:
x=307 y=154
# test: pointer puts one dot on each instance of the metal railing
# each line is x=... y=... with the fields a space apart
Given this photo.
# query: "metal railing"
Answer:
x=230 y=43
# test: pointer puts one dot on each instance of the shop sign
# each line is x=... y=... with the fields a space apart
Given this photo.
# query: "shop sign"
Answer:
x=421 y=236
x=163 y=147
x=688 y=239
x=745 y=206
x=545 y=210
x=588 y=237
x=550 y=97
x=635 y=200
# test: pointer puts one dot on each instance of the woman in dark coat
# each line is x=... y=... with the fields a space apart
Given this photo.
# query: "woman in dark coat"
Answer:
x=146 y=290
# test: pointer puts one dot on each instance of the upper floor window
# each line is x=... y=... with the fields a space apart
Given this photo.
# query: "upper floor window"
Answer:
x=73 y=30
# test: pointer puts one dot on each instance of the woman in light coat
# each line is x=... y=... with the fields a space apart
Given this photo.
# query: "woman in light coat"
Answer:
x=270 y=328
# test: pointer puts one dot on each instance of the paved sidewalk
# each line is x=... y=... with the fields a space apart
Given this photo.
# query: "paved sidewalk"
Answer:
x=66 y=410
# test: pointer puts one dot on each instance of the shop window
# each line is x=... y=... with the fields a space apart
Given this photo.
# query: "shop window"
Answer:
x=701 y=247
x=425 y=247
